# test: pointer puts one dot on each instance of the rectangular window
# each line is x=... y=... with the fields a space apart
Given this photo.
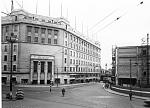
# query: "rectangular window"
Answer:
x=35 y=39
x=42 y=40
x=7 y=29
x=55 y=41
x=49 y=41
x=14 y=57
x=15 y=48
x=66 y=35
x=35 y=66
x=56 y=32
x=65 y=43
x=70 y=61
x=5 y=48
x=15 y=28
x=65 y=51
x=5 y=57
x=65 y=69
x=14 y=67
x=65 y=60
x=29 y=28
x=49 y=67
x=29 y=39
x=5 y=67
x=43 y=30
x=50 y=31
x=42 y=67
x=36 y=29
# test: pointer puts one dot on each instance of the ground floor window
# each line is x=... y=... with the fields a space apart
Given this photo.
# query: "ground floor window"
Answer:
x=24 y=81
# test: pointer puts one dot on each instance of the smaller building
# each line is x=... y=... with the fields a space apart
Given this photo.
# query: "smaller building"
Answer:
x=130 y=64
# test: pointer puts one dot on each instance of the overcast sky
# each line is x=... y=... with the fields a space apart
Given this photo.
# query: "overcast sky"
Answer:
x=98 y=19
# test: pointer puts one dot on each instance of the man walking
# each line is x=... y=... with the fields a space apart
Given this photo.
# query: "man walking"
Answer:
x=63 y=92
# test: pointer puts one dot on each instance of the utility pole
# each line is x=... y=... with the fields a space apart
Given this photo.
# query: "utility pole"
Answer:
x=57 y=76
x=147 y=60
x=130 y=77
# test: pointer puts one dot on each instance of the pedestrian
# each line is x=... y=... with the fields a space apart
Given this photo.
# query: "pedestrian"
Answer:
x=130 y=95
x=50 y=88
x=63 y=92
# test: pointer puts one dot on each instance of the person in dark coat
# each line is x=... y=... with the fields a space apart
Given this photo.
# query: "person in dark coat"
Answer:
x=63 y=92
x=130 y=95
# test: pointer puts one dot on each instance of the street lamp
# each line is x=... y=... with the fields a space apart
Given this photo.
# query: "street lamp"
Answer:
x=11 y=39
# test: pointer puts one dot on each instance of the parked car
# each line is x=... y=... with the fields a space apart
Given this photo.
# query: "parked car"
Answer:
x=147 y=101
x=19 y=94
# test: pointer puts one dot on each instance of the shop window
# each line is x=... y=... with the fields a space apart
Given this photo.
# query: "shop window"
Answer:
x=35 y=66
x=35 y=39
x=42 y=67
x=49 y=41
x=29 y=39
x=15 y=48
x=42 y=40
x=55 y=41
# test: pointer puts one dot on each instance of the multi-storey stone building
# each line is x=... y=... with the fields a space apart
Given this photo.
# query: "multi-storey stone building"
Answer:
x=134 y=60
x=47 y=49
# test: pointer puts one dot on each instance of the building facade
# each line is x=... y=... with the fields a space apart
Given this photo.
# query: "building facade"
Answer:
x=131 y=62
x=47 y=49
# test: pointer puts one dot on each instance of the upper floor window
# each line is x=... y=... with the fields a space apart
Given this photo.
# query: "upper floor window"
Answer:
x=49 y=41
x=50 y=31
x=14 y=67
x=56 y=32
x=5 y=57
x=55 y=41
x=66 y=35
x=29 y=28
x=65 y=51
x=36 y=29
x=29 y=39
x=35 y=39
x=15 y=48
x=14 y=57
x=43 y=30
x=65 y=60
x=5 y=67
x=5 y=48
x=7 y=29
x=15 y=28
x=65 y=43
x=42 y=40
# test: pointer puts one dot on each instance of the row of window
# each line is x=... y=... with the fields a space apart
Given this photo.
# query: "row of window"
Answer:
x=6 y=48
x=8 y=28
x=81 y=42
x=6 y=67
x=43 y=40
x=80 y=62
x=43 y=30
x=6 y=57
x=80 y=48
x=80 y=69
x=82 y=56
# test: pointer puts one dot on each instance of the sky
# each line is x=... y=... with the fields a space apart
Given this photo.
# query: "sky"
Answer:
x=96 y=19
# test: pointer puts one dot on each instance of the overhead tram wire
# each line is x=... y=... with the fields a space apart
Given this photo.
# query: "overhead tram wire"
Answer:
x=116 y=19
x=103 y=19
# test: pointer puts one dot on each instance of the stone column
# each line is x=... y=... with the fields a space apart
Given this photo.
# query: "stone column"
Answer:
x=45 y=72
x=39 y=71
x=53 y=71
x=31 y=72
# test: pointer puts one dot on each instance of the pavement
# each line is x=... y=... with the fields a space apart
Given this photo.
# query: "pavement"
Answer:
x=123 y=94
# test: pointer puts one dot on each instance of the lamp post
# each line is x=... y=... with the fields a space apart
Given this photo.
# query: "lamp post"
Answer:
x=11 y=39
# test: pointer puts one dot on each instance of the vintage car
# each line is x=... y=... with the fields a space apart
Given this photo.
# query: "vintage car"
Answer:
x=147 y=101
x=19 y=94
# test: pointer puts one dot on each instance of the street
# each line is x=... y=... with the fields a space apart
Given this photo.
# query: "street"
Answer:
x=88 y=96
